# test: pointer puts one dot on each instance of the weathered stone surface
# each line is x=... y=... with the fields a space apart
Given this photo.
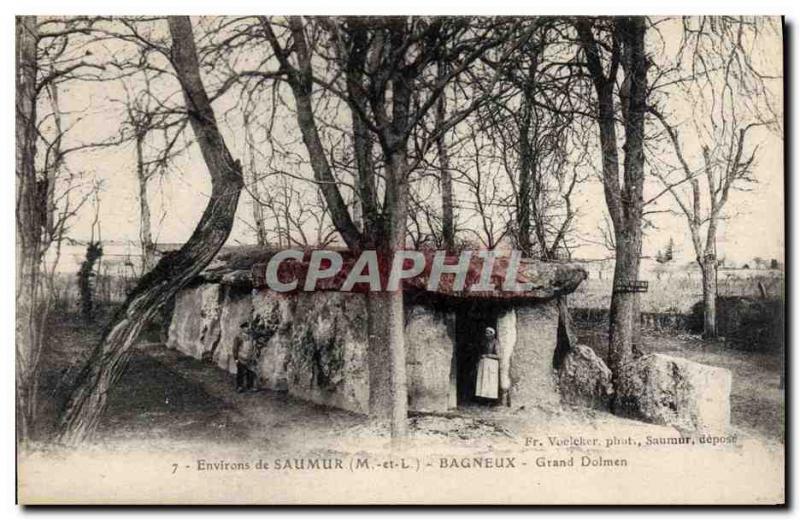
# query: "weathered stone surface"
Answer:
x=194 y=329
x=567 y=337
x=318 y=347
x=237 y=307
x=584 y=379
x=318 y=351
x=429 y=356
x=676 y=392
x=327 y=360
x=566 y=329
x=507 y=338
x=532 y=376
x=276 y=311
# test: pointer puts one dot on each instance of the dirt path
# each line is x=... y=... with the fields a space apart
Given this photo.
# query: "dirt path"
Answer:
x=173 y=400
x=165 y=395
x=166 y=400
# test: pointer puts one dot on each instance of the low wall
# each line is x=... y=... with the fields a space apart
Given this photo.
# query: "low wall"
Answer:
x=650 y=320
x=755 y=324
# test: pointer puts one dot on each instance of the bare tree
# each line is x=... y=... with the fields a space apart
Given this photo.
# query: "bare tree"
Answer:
x=48 y=192
x=729 y=101
x=489 y=203
x=385 y=70
x=174 y=270
x=445 y=175
x=253 y=188
x=29 y=223
x=156 y=138
x=614 y=47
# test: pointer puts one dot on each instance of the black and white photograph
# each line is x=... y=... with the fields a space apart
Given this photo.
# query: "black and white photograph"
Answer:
x=297 y=259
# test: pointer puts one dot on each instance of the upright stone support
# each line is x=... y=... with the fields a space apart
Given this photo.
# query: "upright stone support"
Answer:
x=676 y=392
x=532 y=376
x=507 y=337
x=429 y=339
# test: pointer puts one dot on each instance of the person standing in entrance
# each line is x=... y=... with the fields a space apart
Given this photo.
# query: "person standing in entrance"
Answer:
x=244 y=354
x=488 y=380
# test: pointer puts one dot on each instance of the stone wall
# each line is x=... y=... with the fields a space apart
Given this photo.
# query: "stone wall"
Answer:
x=237 y=307
x=326 y=355
x=194 y=329
x=317 y=348
x=278 y=312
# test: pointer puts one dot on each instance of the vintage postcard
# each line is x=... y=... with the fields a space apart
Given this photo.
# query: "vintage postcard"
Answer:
x=400 y=260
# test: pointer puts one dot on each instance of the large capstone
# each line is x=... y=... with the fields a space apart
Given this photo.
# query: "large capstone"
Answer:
x=675 y=392
x=584 y=379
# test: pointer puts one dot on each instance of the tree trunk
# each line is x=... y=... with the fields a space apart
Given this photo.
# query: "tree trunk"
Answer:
x=625 y=318
x=30 y=197
x=624 y=201
x=446 y=181
x=54 y=168
x=624 y=311
x=524 y=196
x=173 y=271
x=448 y=220
x=386 y=232
x=258 y=216
x=708 y=268
x=387 y=361
x=387 y=349
x=145 y=231
x=258 y=210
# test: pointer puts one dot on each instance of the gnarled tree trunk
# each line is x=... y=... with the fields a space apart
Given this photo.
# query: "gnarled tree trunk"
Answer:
x=173 y=271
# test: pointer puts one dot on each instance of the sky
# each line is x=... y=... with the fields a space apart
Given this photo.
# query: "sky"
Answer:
x=754 y=226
